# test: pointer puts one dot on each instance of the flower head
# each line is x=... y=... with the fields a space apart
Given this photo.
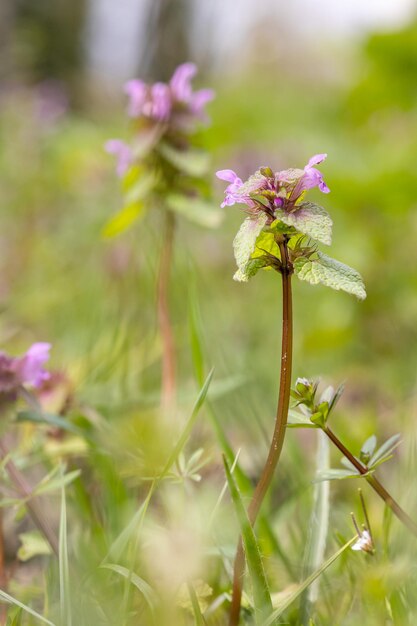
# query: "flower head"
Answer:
x=163 y=102
x=266 y=191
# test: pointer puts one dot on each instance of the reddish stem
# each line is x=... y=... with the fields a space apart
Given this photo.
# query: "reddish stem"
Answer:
x=374 y=482
x=279 y=430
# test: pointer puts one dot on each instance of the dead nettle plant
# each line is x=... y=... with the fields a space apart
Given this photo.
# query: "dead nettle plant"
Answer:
x=164 y=167
x=282 y=231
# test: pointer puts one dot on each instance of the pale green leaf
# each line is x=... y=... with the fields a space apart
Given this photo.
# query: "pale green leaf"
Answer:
x=192 y=162
x=336 y=474
x=33 y=544
x=331 y=273
x=244 y=245
x=309 y=219
x=195 y=210
x=386 y=449
x=298 y=420
x=46 y=486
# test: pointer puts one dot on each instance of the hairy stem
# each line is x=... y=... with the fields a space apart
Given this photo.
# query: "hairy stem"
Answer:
x=374 y=482
x=279 y=429
x=165 y=326
x=24 y=490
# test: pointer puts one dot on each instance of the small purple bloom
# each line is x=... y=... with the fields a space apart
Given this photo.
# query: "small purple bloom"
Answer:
x=299 y=181
x=136 y=90
x=123 y=153
x=29 y=368
x=232 y=191
x=313 y=177
x=180 y=82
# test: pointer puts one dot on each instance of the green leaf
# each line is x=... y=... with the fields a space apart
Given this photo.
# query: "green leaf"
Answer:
x=134 y=205
x=261 y=595
x=33 y=544
x=244 y=245
x=57 y=421
x=367 y=449
x=336 y=474
x=331 y=273
x=196 y=210
x=284 y=606
x=46 y=485
x=309 y=219
x=140 y=584
x=385 y=450
x=124 y=219
x=195 y=163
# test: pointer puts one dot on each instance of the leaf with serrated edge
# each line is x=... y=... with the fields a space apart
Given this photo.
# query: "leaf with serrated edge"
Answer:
x=310 y=219
x=331 y=273
x=244 y=244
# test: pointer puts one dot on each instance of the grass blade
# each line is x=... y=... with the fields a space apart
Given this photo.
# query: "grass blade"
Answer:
x=188 y=427
x=198 y=616
x=140 y=584
x=261 y=596
x=305 y=585
x=319 y=525
x=7 y=598
x=64 y=585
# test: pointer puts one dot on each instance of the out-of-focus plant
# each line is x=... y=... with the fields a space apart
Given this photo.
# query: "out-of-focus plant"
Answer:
x=164 y=167
x=16 y=373
x=282 y=232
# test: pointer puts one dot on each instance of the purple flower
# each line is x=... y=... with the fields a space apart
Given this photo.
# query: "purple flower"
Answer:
x=29 y=368
x=136 y=90
x=241 y=192
x=175 y=103
x=297 y=181
x=180 y=82
x=266 y=191
x=123 y=154
x=232 y=191
x=26 y=370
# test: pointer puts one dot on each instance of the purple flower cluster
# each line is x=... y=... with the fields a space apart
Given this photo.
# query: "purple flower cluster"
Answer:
x=173 y=105
x=28 y=369
x=267 y=191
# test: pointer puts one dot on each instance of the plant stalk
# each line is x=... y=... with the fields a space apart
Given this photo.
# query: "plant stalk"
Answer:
x=374 y=482
x=164 y=320
x=32 y=504
x=277 y=442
